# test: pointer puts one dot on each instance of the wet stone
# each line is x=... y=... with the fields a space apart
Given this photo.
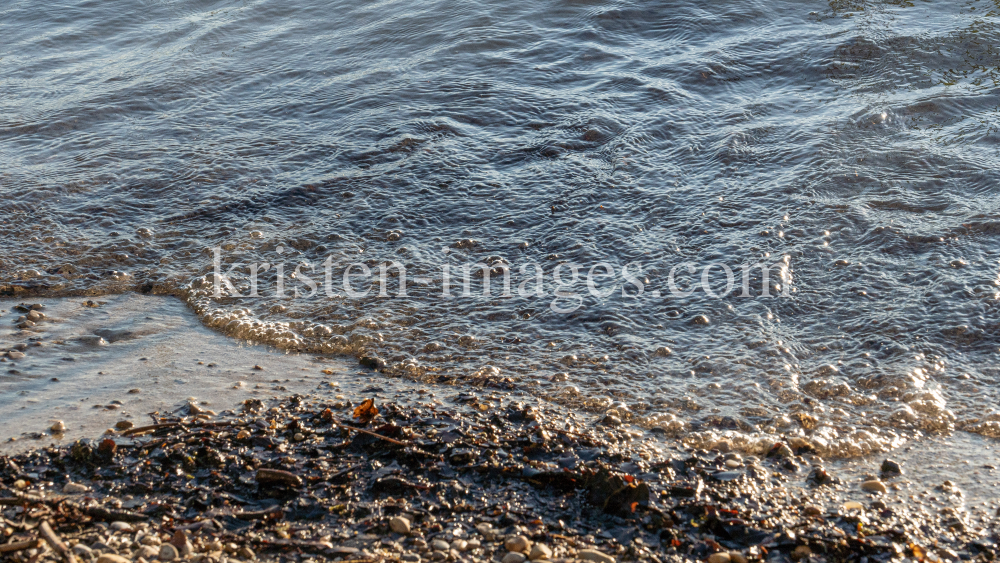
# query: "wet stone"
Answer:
x=399 y=525
x=519 y=544
x=891 y=468
x=594 y=555
x=873 y=486
x=75 y=488
x=168 y=552
x=540 y=551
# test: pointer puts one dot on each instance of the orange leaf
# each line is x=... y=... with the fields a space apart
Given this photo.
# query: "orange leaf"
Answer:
x=634 y=505
x=366 y=411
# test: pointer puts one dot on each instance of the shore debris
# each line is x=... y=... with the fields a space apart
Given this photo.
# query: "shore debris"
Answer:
x=292 y=479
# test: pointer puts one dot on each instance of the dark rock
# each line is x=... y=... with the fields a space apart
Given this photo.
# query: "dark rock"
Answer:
x=891 y=468
x=372 y=362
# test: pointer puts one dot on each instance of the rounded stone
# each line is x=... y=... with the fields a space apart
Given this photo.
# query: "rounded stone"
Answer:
x=168 y=552
x=75 y=489
x=540 y=551
x=519 y=544
x=514 y=557
x=399 y=525
x=594 y=555
x=720 y=557
x=873 y=486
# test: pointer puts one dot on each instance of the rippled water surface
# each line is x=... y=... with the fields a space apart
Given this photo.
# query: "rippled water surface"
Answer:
x=854 y=141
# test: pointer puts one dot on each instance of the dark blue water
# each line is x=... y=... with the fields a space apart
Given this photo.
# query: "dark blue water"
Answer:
x=855 y=143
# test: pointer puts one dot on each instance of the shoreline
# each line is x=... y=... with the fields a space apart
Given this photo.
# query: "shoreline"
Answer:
x=477 y=478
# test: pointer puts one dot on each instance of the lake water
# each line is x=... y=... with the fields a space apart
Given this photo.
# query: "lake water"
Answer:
x=853 y=143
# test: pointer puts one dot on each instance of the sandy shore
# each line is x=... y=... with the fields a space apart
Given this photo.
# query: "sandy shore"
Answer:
x=481 y=477
x=259 y=454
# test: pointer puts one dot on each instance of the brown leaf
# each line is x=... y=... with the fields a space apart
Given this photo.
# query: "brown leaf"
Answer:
x=366 y=411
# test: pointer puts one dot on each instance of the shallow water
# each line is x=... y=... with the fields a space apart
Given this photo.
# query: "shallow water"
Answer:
x=855 y=142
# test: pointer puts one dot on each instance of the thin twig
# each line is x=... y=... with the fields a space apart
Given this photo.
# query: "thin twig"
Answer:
x=258 y=514
x=150 y=428
x=155 y=427
x=57 y=544
x=370 y=433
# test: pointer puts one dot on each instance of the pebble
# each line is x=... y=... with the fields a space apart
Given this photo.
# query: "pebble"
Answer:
x=168 y=552
x=75 y=488
x=410 y=558
x=487 y=531
x=732 y=463
x=399 y=525
x=246 y=553
x=890 y=467
x=594 y=555
x=873 y=486
x=148 y=552
x=123 y=425
x=720 y=557
x=111 y=558
x=440 y=545
x=459 y=545
x=58 y=428
x=540 y=551
x=519 y=544
x=812 y=510
x=737 y=557
x=15 y=355
x=83 y=551
x=514 y=557
x=780 y=450
x=801 y=552
x=20 y=484
x=611 y=420
x=853 y=505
